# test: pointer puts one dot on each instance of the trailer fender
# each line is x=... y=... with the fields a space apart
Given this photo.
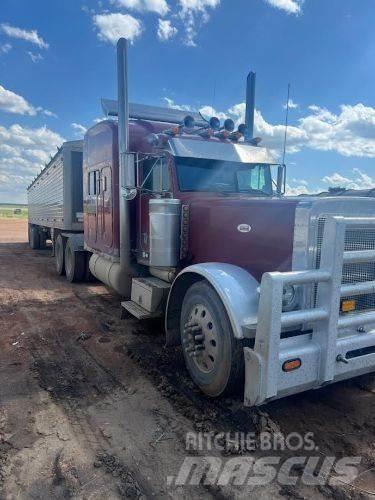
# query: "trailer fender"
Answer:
x=237 y=289
x=76 y=239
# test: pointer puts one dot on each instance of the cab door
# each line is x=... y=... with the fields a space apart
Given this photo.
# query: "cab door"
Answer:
x=106 y=207
x=91 y=207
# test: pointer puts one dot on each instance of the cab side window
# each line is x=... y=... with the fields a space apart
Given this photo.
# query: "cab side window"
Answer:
x=93 y=182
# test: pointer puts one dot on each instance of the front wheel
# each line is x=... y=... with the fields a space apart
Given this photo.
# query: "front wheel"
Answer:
x=213 y=356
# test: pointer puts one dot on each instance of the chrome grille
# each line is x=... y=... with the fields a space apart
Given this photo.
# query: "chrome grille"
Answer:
x=359 y=238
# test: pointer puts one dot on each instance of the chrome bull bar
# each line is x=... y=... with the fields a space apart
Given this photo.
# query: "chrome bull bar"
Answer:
x=329 y=353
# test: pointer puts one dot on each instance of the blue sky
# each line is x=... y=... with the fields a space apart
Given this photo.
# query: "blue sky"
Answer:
x=57 y=58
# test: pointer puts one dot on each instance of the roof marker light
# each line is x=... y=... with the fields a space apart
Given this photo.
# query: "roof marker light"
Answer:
x=229 y=125
x=214 y=123
x=242 y=129
x=189 y=121
x=238 y=134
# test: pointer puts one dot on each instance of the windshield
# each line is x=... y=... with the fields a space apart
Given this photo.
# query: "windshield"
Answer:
x=196 y=174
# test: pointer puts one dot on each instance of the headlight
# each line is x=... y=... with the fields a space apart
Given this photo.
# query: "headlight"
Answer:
x=289 y=297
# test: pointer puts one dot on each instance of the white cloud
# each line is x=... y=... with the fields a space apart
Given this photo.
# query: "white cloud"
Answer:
x=289 y=6
x=197 y=5
x=79 y=129
x=208 y=112
x=35 y=57
x=114 y=26
x=193 y=12
x=360 y=180
x=351 y=132
x=48 y=113
x=172 y=105
x=165 y=30
x=23 y=152
x=158 y=6
x=14 y=103
x=292 y=105
x=296 y=190
x=5 y=48
x=31 y=36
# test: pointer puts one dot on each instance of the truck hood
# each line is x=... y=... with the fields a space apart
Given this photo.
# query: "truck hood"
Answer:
x=253 y=233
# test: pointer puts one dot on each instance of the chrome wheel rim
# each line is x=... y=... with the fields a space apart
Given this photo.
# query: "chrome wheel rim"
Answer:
x=200 y=339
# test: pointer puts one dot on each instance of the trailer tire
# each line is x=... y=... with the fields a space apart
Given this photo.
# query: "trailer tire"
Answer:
x=218 y=367
x=34 y=238
x=42 y=240
x=59 y=249
x=75 y=265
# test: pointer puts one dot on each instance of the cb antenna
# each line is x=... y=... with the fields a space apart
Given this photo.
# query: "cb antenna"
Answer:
x=286 y=123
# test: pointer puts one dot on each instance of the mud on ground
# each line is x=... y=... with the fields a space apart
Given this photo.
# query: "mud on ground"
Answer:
x=92 y=406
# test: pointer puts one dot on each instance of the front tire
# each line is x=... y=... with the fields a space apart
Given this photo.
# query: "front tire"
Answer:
x=213 y=356
x=75 y=265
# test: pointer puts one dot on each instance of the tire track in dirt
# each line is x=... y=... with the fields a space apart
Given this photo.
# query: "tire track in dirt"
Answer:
x=341 y=416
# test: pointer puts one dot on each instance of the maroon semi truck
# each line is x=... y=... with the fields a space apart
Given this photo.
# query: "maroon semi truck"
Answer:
x=186 y=219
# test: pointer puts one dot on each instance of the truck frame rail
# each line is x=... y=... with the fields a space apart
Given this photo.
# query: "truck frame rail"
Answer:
x=338 y=346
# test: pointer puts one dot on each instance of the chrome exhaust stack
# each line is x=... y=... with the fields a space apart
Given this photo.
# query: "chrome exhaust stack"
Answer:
x=118 y=275
x=250 y=106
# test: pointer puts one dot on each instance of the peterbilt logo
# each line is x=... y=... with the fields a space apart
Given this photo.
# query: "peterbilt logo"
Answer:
x=244 y=228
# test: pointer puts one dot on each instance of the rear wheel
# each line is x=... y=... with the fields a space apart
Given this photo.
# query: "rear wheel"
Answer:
x=34 y=237
x=59 y=248
x=213 y=356
x=75 y=264
x=42 y=240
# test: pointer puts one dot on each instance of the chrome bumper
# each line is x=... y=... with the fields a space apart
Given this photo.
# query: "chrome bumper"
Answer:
x=333 y=351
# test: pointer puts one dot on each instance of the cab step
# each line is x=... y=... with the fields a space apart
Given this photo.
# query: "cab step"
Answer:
x=133 y=309
x=148 y=298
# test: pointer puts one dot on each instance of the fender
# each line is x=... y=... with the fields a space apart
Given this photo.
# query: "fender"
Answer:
x=76 y=240
x=237 y=289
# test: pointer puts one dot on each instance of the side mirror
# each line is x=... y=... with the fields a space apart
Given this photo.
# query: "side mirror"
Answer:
x=281 y=178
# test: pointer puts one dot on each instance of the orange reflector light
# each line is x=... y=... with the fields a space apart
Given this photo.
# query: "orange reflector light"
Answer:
x=292 y=364
x=347 y=305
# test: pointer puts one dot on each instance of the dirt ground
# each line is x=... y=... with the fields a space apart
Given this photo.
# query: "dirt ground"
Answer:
x=92 y=406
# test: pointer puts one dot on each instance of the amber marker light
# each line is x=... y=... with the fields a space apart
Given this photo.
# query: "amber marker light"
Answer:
x=292 y=364
x=348 y=305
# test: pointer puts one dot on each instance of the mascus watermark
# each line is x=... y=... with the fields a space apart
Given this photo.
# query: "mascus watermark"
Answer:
x=308 y=467
x=249 y=471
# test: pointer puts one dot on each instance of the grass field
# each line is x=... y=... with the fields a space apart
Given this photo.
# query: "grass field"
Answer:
x=12 y=211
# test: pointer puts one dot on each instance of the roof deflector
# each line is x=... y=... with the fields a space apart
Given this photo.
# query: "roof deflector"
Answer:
x=151 y=113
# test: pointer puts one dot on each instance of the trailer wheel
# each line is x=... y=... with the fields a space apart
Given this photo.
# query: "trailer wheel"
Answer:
x=213 y=356
x=75 y=265
x=59 y=255
x=42 y=240
x=34 y=238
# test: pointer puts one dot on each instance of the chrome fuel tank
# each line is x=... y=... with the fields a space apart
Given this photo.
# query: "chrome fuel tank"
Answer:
x=165 y=216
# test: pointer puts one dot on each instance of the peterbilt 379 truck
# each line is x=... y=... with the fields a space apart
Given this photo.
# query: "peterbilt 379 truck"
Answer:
x=184 y=219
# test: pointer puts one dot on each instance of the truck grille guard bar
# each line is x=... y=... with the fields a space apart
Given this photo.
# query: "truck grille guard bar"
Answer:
x=328 y=354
